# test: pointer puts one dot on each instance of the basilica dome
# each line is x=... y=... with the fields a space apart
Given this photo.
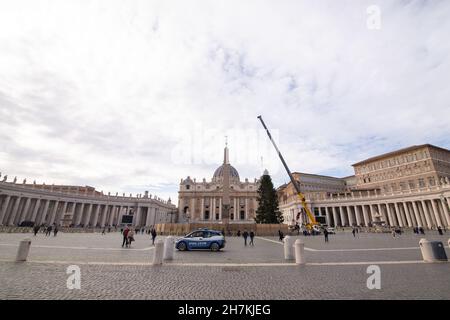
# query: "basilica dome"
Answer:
x=218 y=174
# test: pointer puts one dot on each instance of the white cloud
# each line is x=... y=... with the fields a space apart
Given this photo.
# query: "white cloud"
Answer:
x=103 y=92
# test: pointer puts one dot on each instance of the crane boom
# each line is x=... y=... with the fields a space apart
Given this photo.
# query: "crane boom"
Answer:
x=294 y=182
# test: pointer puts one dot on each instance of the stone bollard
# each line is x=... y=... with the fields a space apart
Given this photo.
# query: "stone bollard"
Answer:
x=448 y=243
x=432 y=251
x=299 y=252
x=288 y=248
x=24 y=249
x=168 y=248
x=159 y=250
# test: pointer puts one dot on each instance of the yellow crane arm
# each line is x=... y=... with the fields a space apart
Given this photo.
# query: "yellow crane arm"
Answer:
x=311 y=217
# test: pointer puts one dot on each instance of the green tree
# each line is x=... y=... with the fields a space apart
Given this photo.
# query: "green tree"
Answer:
x=268 y=211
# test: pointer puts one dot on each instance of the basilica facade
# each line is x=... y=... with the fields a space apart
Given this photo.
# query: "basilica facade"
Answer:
x=223 y=199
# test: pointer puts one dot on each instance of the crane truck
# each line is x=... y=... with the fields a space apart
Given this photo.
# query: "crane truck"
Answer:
x=312 y=224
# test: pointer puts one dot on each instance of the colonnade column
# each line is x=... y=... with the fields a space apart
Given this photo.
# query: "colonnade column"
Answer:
x=335 y=216
x=407 y=215
x=427 y=214
x=417 y=214
x=366 y=216
x=444 y=205
x=14 y=211
x=436 y=213
x=400 y=219
x=3 y=209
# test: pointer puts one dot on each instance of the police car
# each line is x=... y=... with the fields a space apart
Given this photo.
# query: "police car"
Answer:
x=201 y=239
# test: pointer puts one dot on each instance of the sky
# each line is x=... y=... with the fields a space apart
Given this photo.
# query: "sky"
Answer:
x=129 y=96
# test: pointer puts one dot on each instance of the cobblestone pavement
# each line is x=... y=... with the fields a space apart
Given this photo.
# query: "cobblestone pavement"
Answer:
x=43 y=278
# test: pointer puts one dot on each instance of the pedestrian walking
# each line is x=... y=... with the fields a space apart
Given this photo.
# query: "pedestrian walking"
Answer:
x=440 y=230
x=354 y=232
x=393 y=233
x=239 y=233
x=130 y=237
x=280 y=235
x=125 y=237
x=245 y=235
x=153 y=232
x=49 y=231
x=55 y=231
x=36 y=230
x=252 y=235
x=325 y=233
x=104 y=231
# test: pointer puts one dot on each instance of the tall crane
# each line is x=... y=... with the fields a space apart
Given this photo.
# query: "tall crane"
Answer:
x=312 y=219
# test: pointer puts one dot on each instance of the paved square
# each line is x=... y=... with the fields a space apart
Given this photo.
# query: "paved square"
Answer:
x=334 y=270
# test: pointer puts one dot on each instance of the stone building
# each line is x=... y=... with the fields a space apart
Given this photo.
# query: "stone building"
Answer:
x=408 y=187
x=78 y=206
x=224 y=199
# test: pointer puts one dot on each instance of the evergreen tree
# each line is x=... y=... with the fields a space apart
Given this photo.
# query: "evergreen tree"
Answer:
x=268 y=211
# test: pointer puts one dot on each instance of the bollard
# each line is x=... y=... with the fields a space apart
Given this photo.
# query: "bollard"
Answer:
x=299 y=251
x=168 y=248
x=448 y=243
x=24 y=249
x=432 y=251
x=159 y=248
x=288 y=248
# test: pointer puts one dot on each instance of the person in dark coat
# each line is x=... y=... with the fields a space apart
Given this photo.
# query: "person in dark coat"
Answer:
x=440 y=230
x=55 y=231
x=325 y=233
x=245 y=235
x=125 y=237
x=153 y=232
x=239 y=233
x=36 y=230
x=354 y=232
x=281 y=235
x=252 y=235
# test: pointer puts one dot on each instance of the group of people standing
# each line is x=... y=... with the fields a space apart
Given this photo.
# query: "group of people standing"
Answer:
x=46 y=229
x=246 y=235
x=128 y=236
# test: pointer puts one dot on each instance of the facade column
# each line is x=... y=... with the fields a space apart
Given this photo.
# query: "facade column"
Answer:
x=57 y=216
x=4 y=207
x=446 y=213
x=44 y=212
x=417 y=214
x=104 y=214
x=390 y=216
x=53 y=212
x=335 y=217
x=328 y=214
x=212 y=212
x=350 y=216
x=400 y=219
x=427 y=214
x=407 y=215
x=80 y=215
x=365 y=215
x=136 y=216
x=148 y=220
x=25 y=209
x=111 y=216
x=87 y=217
x=97 y=212
x=357 y=215
x=436 y=213
x=202 y=208
x=246 y=208
x=14 y=211
x=343 y=220
x=73 y=212
x=35 y=210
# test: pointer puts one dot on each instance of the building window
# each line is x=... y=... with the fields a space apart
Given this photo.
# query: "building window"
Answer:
x=232 y=216
x=207 y=215
x=188 y=187
x=217 y=216
x=242 y=214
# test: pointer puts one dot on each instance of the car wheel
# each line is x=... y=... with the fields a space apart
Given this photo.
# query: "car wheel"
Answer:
x=182 y=246
x=215 y=247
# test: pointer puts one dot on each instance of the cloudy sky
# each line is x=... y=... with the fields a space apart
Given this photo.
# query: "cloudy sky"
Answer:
x=130 y=96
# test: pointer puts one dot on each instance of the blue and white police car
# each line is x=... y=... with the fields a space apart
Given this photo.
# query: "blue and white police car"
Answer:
x=201 y=239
